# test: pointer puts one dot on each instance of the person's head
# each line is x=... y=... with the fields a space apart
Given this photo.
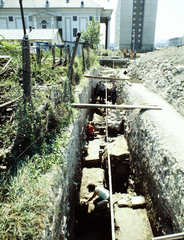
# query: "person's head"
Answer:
x=91 y=187
x=100 y=82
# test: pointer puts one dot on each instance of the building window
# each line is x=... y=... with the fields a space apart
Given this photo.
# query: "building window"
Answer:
x=74 y=18
x=140 y=24
x=141 y=1
x=43 y=21
x=74 y=32
x=82 y=3
x=30 y=18
x=139 y=35
x=133 y=30
x=135 y=1
x=139 y=30
x=134 y=19
x=47 y=3
x=44 y=26
x=133 y=24
x=140 y=7
x=133 y=41
x=59 y=18
x=134 y=7
x=140 y=19
x=10 y=19
x=90 y=18
x=139 y=40
x=140 y=13
x=134 y=13
x=67 y=1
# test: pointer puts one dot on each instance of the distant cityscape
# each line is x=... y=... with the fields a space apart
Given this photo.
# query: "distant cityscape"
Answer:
x=162 y=43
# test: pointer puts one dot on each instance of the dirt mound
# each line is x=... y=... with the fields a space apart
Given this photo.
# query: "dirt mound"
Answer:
x=162 y=71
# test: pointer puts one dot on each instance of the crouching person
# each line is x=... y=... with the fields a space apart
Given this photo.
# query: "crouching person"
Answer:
x=103 y=196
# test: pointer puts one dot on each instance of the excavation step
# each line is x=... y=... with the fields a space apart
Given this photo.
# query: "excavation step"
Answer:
x=90 y=175
x=132 y=224
x=93 y=152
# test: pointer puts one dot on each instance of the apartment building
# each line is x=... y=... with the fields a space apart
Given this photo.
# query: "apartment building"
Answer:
x=135 y=23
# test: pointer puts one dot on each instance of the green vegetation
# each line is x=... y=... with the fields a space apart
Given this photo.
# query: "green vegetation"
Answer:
x=34 y=132
x=92 y=34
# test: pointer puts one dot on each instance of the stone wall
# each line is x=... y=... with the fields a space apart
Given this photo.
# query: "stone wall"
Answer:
x=65 y=180
x=155 y=140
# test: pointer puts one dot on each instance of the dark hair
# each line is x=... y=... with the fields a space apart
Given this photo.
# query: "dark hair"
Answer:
x=91 y=187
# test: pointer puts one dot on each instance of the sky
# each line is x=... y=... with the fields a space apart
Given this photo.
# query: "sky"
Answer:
x=169 y=21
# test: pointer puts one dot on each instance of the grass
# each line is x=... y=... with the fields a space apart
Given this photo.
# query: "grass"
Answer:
x=39 y=139
x=26 y=201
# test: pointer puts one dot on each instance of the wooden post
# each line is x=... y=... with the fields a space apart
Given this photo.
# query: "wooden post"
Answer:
x=88 y=61
x=25 y=61
x=38 y=55
x=83 y=59
x=53 y=54
x=65 y=63
x=26 y=69
x=69 y=53
x=61 y=54
x=70 y=68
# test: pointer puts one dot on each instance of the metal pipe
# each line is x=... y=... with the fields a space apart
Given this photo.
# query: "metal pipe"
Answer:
x=171 y=236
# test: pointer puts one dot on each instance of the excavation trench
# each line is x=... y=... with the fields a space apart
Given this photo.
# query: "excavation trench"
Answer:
x=128 y=205
x=150 y=171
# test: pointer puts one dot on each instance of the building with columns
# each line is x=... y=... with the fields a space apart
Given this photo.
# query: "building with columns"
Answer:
x=69 y=16
x=135 y=23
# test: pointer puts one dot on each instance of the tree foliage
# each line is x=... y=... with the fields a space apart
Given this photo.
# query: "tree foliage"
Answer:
x=92 y=34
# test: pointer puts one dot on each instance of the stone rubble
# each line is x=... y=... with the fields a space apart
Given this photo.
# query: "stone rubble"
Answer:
x=162 y=71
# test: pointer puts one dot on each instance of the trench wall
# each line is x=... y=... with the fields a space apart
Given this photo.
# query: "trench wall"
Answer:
x=64 y=180
x=155 y=140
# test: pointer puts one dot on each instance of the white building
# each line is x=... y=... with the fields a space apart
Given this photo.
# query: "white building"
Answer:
x=135 y=24
x=50 y=35
x=69 y=16
x=174 y=42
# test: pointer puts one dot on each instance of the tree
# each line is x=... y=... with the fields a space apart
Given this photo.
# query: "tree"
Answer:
x=92 y=34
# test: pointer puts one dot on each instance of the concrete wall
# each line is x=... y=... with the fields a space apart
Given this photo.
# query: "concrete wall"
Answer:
x=155 y=140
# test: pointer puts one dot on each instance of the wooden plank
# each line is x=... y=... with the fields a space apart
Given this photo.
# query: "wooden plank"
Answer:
x=171 y=236
x=123 y=107
x=107 y=78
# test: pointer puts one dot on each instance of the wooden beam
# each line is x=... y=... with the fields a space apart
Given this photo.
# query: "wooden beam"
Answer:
x=170 y=236
x=123 y=107
x=108 y=78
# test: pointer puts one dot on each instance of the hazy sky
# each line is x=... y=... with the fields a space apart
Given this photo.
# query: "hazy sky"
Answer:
x=170 y=18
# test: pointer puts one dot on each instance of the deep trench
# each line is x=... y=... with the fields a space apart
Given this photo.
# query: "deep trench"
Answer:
x=98 y=227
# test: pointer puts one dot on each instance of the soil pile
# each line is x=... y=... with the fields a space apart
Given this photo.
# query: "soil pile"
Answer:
x=162 y=71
